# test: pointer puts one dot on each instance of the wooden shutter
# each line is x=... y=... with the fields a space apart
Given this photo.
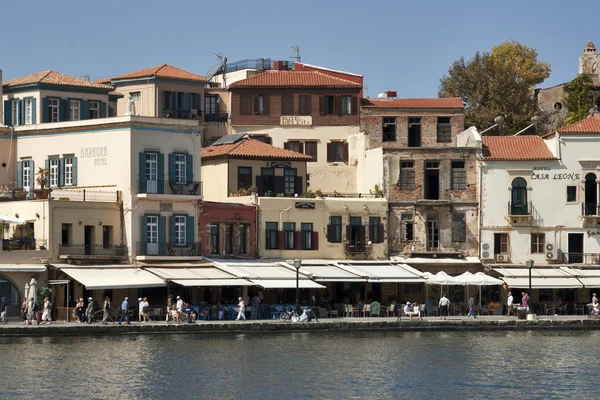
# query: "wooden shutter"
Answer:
x=259 y=184
x=61 y=172
x=298 y=185
x=266 y=105
x=161 y=173
x=298 y=240
x=64 y=110
x=338 y=105
x=256 y=105
x=20 y=174
x=142 y=174
x=354 y=105
x=8 y=112
x=102 y=109
x=381 y=232
x=345 y=152
x=267 y=240
x=280 y=241
x=190 y=230
x=74 y=171
x=300 y=147
x=84 y=109
x=189 y=168
x=143 y=236
x=329 y=152
x=171 y=168
x=186 y=101
x=321 y=105
x=172 y=238
x=362 y=235
x=34 y=111
x=45 y=110
x=330 y=230
x=315 y=241
x=279 y=184
x=21 y=112
x=348 y=232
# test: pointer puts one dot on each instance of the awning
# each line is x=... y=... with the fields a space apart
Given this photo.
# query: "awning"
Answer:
x=329 y=273
x=382 y=272
x=258 y=270
x=541 y=278
x=22 y=268
x=189 y=273
x=213 y=282
x=12 y=220
x=287 y=284
x=112 y=277
x=588 y=277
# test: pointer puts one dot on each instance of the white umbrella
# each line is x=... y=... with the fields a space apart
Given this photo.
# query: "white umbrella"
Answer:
x=12 y=220
x=478 y=279
x=32 y=290
x=442 y=278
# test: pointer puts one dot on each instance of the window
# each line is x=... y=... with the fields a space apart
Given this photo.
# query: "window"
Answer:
x=210 y=105
x=407 y=227
x=193 y=101
x=228 y=238
x=180 y=169
x=180 y=230
x=459 y=175
x=334 y=230
x=414 y=132
x=433 y=232
x=289 y=180
x=537 y=242
x=261 y=105
x=375 y=231
x=152 y=172
x=328 y=105
x=305 y=104
x=347 y=105
x=267 y=180
x=432 y=180
x=459 y=227
x=167 y=99
x=152 y=245
x=74 y=111
x=107 y=235
x=243 y=238
x=66 y=234
x=337 y=152
x=287 y=104
x=246 y=104
x=310 y=149
x=28 y=111
x=519 y=205
x=389 y=129
x=271 y=233
x=15 y=112
x=53 y=172
x=68 y=170
x=180 y=99
x=500 y=243
x=294 y=146
x=407 y=175
x=289 y=231
x=94 y=109
x=307 y=231
x=214 y=238
x=244 y=177
x=135 y=96
x=27 y=182
x=53 y=110
x=444 y=130
x=571 y=194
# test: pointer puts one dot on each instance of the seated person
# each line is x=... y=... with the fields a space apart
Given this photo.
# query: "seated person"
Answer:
x=492 y=306
x=417 y=311
x=192 y=317
x=408 y=310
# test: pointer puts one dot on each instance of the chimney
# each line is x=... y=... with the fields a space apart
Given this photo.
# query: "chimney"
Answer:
x=278 y=65
x=391 y=94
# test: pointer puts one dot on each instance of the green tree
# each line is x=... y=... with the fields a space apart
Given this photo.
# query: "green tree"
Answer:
x=499 y=82
x=579 y=100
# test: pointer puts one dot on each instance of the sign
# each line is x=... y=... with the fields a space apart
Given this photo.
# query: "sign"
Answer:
x=99 y=154
x=281 y=164
x=166 y=207
x=305 y=120
x=305 y=204
x=536 y=175
x=593 y=233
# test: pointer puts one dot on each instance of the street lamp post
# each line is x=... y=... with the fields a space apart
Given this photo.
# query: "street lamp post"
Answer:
x=297 y=265
x=529 y=264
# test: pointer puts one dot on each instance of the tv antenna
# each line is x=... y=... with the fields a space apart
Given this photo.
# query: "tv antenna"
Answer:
x=297 y=56
x=224 y=66
x=86 y=77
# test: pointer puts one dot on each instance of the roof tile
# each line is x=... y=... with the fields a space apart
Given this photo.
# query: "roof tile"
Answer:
x=590 y=124
x=276 y=78
x=160 y=71
x=54 y=78
x=514 y=148
x=450 y=102
x=252 y=148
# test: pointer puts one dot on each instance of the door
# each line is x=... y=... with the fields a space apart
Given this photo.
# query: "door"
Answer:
x=433 y=233
x=432 y=180
x=268 y=179
x=591 y=195
x=575 y=245
x=152 y=172
x=152 y=236
x=106 y=237
x=88 y=239
x=355 y=223
x=519 y=197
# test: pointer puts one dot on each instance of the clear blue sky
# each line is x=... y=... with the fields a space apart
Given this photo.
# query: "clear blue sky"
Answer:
x=397 y=45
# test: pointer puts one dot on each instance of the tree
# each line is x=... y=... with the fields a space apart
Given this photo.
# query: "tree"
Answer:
x=579 y=100
x=500 y=82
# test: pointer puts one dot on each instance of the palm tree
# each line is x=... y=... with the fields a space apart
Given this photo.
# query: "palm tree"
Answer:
x=42 y=177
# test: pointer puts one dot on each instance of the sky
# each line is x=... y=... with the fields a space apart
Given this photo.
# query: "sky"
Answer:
x=406 y=46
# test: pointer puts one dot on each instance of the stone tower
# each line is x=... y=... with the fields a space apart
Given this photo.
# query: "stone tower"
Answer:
x=589 y=62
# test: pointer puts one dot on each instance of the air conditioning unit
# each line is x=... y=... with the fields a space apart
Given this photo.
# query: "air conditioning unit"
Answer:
x=487 y=252
x=551 y=251
x=502 y=258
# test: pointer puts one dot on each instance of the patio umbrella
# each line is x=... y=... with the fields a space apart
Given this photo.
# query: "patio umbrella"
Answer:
x=478 y=279
x=442 y=278
x=12 y=220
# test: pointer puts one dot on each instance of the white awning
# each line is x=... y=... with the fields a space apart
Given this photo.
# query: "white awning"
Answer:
x=22 y=268
x=12 y=220
x=286 y=284
x=329 y=273
x=588 y=277
x=259 y=270
x=541 y=278
x=112 y=277
x=213 y=282
x=189 y=273
x=383 y=272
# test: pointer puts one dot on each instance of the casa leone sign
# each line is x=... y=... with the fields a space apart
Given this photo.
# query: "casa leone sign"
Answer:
x=305 y=120
x=544 y=173
x=99 y=154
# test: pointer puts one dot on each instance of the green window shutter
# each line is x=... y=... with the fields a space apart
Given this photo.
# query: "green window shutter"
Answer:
x=189 y=168
x=7 y=112
x=34 y=111
x=172 y=239
x=172 y=177
x=61 y=172
x=47 y=164
x=162 y=236
x=186 y=101
x=45 y=110
x=84 y=111
x=161 y=173
x=143 y=235
x=198 y=104
x=64 y=110
x=111 y=112
x=102 y=109
x=33 y=176
x=74 y=173
x=21 y=112
x=20 y=174
x=189 y=230
x=142 y=177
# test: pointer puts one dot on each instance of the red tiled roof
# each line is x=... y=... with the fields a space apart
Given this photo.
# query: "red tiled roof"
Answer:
x=252 y=148
x=160 y=71
x=449 y=102
x=590 y=124
x=516 y=148
x=277 y=78
x=54 y=78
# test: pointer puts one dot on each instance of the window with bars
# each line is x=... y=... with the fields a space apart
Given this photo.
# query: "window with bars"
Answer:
x=407 y=227
x=459 y=175
x=444 y=130
x=407 y=175
x=538 y=240
x=459 y=227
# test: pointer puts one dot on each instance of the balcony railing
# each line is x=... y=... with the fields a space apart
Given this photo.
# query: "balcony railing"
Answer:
x=357 y=248
x=181 y=113
x=23 y=244
x=63 y=193
x=169 y=187
x=581 y=258
x=519 y=208
x=168 y=249
x=589 y=209
x=83 y=250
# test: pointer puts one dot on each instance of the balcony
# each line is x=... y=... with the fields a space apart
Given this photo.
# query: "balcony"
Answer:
x=165 y=189
x=92 y=252
x=353 y=249
x=181 y=113
x=520 y=214
x=590 y=214
x=592 y=259
x=25 y=250
x=63 y=193
x=168 y=251
x=222 y=117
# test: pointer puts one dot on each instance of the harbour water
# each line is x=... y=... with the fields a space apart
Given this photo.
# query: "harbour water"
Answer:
x=370 y=365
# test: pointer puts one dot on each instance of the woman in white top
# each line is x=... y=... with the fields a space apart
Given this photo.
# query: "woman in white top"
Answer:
x=242 y=309
x=46 y=317
x=509 y=303
x=145 y=306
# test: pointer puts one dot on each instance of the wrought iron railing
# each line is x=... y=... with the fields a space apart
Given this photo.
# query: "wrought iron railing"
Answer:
x=64 y=193
x=168 y=249
x=581 y=258
x=357 y=248
x=149 y=186
x=589 y=209
x=181 y=113
x=519 y=208
x=82 y=250
x=24 y=244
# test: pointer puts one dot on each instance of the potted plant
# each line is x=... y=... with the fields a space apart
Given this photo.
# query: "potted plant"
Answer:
x=318 y=193
x=42 y=179
x=253 y=189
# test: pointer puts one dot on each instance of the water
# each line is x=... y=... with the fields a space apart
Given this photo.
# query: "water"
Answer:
x=371 y=365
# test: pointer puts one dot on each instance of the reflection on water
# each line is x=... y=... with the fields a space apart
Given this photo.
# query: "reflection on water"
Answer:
x=374 y=365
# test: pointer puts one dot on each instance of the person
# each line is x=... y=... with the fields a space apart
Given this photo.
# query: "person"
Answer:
x=594 y=299
x=79 y=311
x=242 y=309
x=595 y=307
x=443 y=304
x=471 y=307
x=429 y=307
x=140 y=309
x=417 y=311
x=169 y=307
x=408 y=310
x=89 y=312
x=3 y=310
x=46 y=317
x=145 y=310
x=24 y=311
x=106 y=311
x=509 y=303
x=525 y=301
x=179 y=307
x=125 y=311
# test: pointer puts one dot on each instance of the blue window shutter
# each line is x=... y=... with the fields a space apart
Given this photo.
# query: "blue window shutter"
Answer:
x=74 y=173
x=189 y=168
x=161 y=173
x=33 y=176
x=172 y=238
x=34 y=111
x=186 y=101
x=111 y=112
x=165 y=100
x=172 y=177
x=189 y=230
x=143 y=235
x=198 y=104
x=173 y=100
x=64 y=110
x=7 y=112
x=20 y=174
x=21 y=112
x=162 y=236
x=84 y=111
x=102 y=109
x=142 y=178
x=47 y=164
x=61 y=172
x=45 y=110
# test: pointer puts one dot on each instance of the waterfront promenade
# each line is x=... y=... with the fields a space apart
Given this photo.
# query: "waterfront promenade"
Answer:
x=482 y=323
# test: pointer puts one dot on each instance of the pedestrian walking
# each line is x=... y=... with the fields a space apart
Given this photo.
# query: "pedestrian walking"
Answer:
x=242 y=309
x=125 y=311
x=169 y=307
x=509 y=303
x=525 y=300
x=471 y=307
x=31 y=310
x=46 y=317
x=79 y=310
x=444 y=303
x=106 y=311
x=3 y=310
x=89 y=312
x=140 y=308
x=145 y=310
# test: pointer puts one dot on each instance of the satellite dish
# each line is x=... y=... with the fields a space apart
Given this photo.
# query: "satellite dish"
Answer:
x=382 y=96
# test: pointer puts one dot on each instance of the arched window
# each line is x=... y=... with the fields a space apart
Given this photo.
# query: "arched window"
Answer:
x=591 y=195
x=519 y=204
x=8 y=290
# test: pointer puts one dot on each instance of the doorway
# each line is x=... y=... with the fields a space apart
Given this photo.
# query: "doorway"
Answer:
x=88 y=239
x=107 y=236
x=575 y=248
x=432 y=180
x=519 y=204
x=591 y=195
x=433 y=232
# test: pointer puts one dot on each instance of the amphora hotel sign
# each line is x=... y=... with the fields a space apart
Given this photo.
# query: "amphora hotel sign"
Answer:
x=99 y=154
